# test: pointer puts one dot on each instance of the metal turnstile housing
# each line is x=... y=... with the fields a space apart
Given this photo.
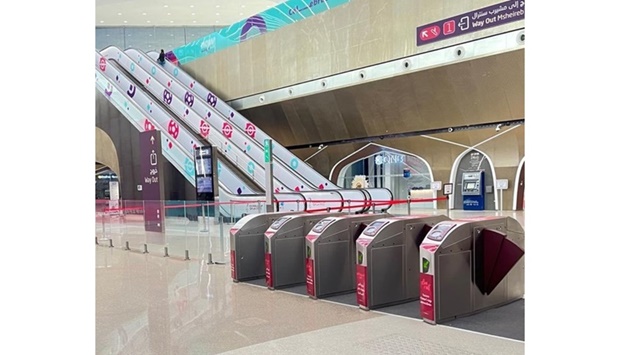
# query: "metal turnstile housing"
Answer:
x=247 y=253
x=330 y=254
x=470 y=265
x=285 y=243
x=388 y=258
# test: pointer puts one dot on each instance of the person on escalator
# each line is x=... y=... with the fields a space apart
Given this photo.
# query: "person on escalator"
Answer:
x=162 y=57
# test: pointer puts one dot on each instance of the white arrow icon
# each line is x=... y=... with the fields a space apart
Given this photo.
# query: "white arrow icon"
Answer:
x=152 y=140
x=522 y=3
x=464 y=23
x=424 y=34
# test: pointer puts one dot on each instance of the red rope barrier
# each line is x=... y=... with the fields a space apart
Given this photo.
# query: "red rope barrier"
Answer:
x=345 y=204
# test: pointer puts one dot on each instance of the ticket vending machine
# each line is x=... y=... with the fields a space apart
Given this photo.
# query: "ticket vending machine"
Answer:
x=470 y=265
x=330 y=254
x=388 y=258
x=285 y=243
x=247 y=253
x=473 y=190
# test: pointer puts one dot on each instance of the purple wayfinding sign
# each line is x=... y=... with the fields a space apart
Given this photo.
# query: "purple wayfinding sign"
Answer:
x=152 y=185
x=476 y=20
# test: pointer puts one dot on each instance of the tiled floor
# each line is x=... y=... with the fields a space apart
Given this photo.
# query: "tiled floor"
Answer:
x=150 y=304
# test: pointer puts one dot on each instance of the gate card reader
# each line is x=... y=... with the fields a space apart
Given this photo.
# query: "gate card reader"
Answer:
x=470 y=265
x=330 y=254
x=247 y=254
x=285 y=243
x=388 y=259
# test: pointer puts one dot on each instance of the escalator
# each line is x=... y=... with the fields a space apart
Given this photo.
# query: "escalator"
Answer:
x=129 y=94
x=235 y=182
x=201 y=118
x=185 y=82
x=144 y=115
x=182 y=82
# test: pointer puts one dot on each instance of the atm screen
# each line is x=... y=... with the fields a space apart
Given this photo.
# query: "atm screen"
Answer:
x=470 y=186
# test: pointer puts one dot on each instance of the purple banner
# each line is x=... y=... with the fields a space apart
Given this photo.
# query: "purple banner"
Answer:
x=152 y=185
x=476 y=20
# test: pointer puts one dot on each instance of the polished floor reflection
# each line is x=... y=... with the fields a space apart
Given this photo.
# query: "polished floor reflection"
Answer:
x=150 y=304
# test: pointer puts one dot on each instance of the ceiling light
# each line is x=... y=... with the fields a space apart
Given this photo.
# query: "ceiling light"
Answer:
x=168 y=14
x=217 y=6
x=243 y=6
x=144 y=14
x=148 y=21
x=241 y=13
x=194 y=22
x=101 y=21
x=171 y=21
x=119 y=14
x=125 y=21
x=191 y=6
x=217 y=14
x=165 y=5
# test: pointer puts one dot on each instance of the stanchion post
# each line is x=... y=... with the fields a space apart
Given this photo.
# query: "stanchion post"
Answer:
x=127 y=245
x=501 y=200
x=146 y=249
x=103 y=224
x=408 y=205
x=111 y=244
x=204 y=217
x=186 y=254
x=374 y=207
x=166 y=252
x=447 y=191
x=96 y=241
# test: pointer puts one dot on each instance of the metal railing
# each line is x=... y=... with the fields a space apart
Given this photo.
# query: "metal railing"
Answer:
x=187 y=229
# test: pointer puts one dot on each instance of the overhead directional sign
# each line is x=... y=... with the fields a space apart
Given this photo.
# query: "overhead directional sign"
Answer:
x=490 y=16
x=152 y=185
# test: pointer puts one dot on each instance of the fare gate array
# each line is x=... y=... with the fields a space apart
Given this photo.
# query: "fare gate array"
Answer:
x=454 y=267
x=388 y=258
x=285 y=248
x=470 y=265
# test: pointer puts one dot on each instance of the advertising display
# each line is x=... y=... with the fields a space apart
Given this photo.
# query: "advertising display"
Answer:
x=205 y=178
